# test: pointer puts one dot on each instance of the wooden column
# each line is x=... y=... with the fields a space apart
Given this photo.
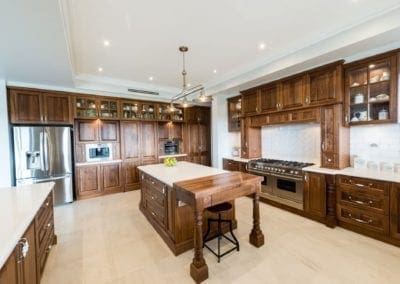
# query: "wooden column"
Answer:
x=198 y=267
x=256 y=235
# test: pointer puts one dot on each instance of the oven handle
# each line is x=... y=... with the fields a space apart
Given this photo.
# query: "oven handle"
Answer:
x=276 y=175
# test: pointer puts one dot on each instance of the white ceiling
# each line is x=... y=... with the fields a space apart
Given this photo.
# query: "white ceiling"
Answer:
x=38 y=40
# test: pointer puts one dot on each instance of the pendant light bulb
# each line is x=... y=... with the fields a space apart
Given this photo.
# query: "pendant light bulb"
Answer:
x=185 y=102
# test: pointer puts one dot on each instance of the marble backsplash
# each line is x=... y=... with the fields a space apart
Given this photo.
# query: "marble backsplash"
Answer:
x=297 y=142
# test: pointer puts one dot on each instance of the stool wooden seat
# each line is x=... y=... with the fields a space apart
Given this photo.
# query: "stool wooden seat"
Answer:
x=219 y=209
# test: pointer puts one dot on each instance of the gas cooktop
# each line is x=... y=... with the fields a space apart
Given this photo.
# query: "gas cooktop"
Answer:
x=278 y=167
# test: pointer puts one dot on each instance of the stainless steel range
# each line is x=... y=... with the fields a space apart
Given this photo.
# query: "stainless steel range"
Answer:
x=283 y=180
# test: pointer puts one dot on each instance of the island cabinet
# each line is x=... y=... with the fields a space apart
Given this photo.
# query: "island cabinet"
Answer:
x=363 y=205
x=29 y=106
x=172 y=219
x=395 y=211
x=27 y=261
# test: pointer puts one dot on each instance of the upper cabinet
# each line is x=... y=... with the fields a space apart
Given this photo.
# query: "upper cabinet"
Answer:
x=234 y=113
x=371 y=90
x=292 y=92
x=91 y=107
x=250 y=102
x=269 y=98
x=165 y=113
x=326 y=85
x=31 y=106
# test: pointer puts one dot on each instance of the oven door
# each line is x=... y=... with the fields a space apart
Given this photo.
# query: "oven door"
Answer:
x=288 y=188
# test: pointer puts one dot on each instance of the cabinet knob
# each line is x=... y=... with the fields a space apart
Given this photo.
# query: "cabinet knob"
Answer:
x=307 y=100
x=329 y=160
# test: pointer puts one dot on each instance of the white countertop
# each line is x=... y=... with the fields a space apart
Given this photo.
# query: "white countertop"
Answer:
x=18 y=207
x=182 y=171
x=172 y=156
x=98 y=163
x=238 y=159
x=362 y=173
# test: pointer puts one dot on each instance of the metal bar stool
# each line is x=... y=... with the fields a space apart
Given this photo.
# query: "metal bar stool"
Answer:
x=219 y=209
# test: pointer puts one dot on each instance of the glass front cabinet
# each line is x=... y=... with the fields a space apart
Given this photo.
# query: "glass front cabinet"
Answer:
x=371 y=90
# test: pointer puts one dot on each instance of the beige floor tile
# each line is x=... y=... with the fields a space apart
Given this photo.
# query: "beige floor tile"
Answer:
x=108 y=240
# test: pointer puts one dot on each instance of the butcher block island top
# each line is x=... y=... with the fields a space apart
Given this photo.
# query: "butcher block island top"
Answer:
x=174 y=200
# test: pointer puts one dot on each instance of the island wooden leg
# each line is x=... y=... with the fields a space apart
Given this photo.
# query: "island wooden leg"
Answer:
x=256 y=235
x=198 y=267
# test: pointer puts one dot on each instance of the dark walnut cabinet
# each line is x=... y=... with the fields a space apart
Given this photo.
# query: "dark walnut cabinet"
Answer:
x=250 y=140
x=26 y=263
x=96 y=131
x=98 y=179
x=371 y=87
x=96 y=107
x=234 y=113
x=232 y=165
x=315 y=194
x=30 y=106
x=395 y=211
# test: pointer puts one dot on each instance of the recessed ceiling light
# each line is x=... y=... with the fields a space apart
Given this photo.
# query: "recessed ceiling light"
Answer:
x=215 y=71
x=106 y=43
x=100 y=69
x=188 y=84
x=151 y=78
x=262 y=46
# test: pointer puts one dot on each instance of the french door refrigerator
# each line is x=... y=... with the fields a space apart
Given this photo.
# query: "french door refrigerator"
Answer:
x=42 y=154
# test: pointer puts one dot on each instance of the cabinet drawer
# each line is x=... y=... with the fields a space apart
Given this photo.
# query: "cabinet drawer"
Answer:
x=43 y=232
x=360 y=198
x=362 y=183
x=42 y=256
x=156 y=184
x=44 y=211
x=155 y=195
x=156 y=211
x=230 y=165
x=362 y=218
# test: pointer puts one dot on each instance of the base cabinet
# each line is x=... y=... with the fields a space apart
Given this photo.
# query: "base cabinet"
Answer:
x=98 y=179
x=26 y=263
x=315 y=194
x=232 y=165
x=395 y=211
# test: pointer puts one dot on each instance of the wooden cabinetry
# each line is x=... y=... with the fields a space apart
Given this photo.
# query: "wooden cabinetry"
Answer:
x=98 y=179
x=96 y=131
x=250 y=102
x=371 y=89
x=364 y=204
x=315 y=194
x=234 y=113
x=33 y=106
x=197 y=136
x=148 y=143
x=269 y=98
x=26 y=263
x=334 y=138
x=232 y=165
x=96 y=107
x=292 y=92
x=250 y=140
x=395 y=211
x=326 y=85
x=172 y=219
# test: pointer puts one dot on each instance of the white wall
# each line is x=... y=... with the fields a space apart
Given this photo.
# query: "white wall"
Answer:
x=222 y=141
x=5 y=164
x=297 y=142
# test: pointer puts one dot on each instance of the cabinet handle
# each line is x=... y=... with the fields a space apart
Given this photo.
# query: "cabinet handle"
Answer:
x=323 y=146
x=48 y=225
x=277 y=106
x=346 y=118
x=370 y=202
x=48 y=248
x=305 y=178
x=359 y=220
x=163 y=190
x=256 y=109
x=308 y=100
x=46 y=204
x=24 y=248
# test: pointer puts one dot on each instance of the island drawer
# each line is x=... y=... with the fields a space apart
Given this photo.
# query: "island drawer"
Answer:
x=44 y=211
x=362 y=183
x=154 y=195
x=364 y=219
x=43 y=231
x=364 y=199
x=43 y=254
x=156 y=184
x=156 y=211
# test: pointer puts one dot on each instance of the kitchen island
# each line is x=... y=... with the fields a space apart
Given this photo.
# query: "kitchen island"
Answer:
x=26 y=231
x=174 y=198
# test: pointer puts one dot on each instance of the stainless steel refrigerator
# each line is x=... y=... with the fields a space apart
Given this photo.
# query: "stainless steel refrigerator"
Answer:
x=42 y=154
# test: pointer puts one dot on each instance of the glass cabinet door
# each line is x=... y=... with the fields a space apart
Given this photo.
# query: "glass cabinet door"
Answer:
x=148 y=111
x=177 y=115
x=108 y=109
x=163 y=112
x=130 y=110
x=86 y=107
x=379 y=90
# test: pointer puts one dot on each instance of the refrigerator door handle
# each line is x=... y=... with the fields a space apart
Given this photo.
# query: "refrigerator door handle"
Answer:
x=41 y=145
x=46 y=150
x=51 y=179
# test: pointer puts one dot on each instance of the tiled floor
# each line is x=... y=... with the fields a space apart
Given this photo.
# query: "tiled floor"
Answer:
x=108 y=240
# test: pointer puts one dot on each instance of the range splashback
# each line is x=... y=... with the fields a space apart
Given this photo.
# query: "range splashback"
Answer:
x=299 y=142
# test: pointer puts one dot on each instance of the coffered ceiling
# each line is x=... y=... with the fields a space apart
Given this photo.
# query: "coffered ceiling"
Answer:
x=111 y=45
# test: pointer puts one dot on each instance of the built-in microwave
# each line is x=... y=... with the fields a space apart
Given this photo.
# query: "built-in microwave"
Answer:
x=98 y=152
